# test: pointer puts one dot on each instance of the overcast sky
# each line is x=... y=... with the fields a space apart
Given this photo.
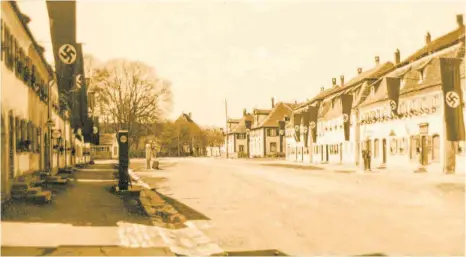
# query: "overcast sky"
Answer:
x=249 y=51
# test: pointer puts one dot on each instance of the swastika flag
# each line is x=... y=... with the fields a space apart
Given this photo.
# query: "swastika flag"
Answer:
x=453 y=98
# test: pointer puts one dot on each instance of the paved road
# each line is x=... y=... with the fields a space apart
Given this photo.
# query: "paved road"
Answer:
x=251 y=207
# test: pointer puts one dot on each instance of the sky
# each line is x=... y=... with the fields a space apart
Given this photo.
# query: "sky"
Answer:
x=249 y=51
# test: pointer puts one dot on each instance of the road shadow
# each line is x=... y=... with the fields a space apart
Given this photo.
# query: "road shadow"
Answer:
x=188 y=212
x=292 y=166
x=81 y=204
x=270 y=252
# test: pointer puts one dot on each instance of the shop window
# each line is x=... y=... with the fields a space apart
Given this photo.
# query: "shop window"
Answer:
x=273 y=147
x=435 y=100
x=402 y=146
x=393 y=146
x=376 y=148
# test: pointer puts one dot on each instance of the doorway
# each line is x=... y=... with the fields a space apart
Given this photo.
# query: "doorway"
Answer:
x=424 y=150
x=326 y=153
x=384 y=151
x=341 y=152
x=46 y=152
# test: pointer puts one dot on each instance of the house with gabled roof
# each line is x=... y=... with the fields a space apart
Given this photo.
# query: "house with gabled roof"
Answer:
x=323 y=137
x=239 y=140
x=265 y=136
x=403 y=118
x=230 y=137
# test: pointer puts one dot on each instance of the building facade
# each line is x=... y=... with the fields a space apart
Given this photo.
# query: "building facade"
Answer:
x=397 y=110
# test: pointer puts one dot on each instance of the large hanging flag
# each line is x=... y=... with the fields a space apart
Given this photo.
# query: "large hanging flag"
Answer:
x=62 y=17
x=453 y=98
x=313 y=111
x=347 y=104
x=393 y=91
x=297 y=125
x=305 y=122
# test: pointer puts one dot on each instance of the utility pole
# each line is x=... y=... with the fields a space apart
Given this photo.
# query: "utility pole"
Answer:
x=226 y=128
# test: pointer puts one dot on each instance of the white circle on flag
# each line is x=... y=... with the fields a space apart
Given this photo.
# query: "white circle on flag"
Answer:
x=305 y=129
x=296 y=128
x=345 y=117
x=95 y=130
x=67 y=53
x=393 y=105
x=90 y=112
x=313 y=125
x=282 y=132
x=452 y=99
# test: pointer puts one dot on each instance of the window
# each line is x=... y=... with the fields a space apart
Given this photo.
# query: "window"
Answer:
x=240 y=136
x=403 y=146
x=376 y=148
x=272 y=132
x=414 y=144
x=421 y=76
x=372 y=91
x=393 y=146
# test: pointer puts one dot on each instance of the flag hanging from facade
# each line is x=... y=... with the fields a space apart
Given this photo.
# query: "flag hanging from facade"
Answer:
x=453 y=98
x=347 y=105
x=305 y=122
x=297 y=125
x=313 y=111
x=393 y=91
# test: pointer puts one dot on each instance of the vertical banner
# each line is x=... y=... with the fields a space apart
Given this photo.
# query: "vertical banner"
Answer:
x=281 y=127
x=347 y=104
x=393 y=91
x=305 y=122
x=453 y=98
x=313 y=111
x=297 y=125
x=62 y=17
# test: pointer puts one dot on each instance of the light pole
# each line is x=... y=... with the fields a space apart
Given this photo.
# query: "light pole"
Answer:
x=50 y=125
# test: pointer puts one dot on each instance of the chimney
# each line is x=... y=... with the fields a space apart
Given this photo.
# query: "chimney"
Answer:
x=342 y=80
x=322 y=89
x=359 y=70
x=190 y=116
x=459 y=20
x=273 y=102
x=377 y=60
x=334 y=82
x=397 y=56
x=244 y=112
x=428 y=38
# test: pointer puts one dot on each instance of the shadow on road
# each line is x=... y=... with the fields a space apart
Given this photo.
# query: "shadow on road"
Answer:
x=300 y=167
x=188 y=212
x=253 y=253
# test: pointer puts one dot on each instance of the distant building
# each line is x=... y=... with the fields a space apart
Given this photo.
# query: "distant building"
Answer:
x=238 y=135
x=230 y=137
x=190 y=141
x=107 y=148
x=265 y=138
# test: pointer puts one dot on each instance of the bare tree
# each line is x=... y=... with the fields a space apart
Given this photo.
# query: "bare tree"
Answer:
x=130 y=95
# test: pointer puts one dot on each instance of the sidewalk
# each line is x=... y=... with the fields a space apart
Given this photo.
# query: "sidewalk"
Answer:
x=84 y=218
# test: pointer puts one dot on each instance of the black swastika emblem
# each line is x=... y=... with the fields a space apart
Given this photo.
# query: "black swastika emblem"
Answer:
x=79 y=80
x=305 y=130
x=67 y=54
x=452 y=99
x=296 y=128
x=313 y=125
x=393 y=105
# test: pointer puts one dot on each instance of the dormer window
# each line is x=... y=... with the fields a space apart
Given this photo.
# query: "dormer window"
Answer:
x=372 y=91
x=402 y=81
x=421 y=76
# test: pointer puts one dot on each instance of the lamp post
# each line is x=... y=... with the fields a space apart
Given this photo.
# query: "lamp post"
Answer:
x=50 y=125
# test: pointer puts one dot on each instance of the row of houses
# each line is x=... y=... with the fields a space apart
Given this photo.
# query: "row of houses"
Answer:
x=37 y=128
x=409 y=113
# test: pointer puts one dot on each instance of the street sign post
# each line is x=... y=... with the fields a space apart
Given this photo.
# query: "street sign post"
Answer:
x=123 y=160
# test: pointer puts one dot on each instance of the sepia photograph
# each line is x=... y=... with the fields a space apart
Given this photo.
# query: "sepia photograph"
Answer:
x=233 y=128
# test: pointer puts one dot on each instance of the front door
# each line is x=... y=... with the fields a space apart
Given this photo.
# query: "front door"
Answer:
x=424 y=150
x=326 y=153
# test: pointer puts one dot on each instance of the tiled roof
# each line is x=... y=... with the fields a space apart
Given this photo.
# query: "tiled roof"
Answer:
x=410 y=75
x=437 y=44
x=241 y=127
x=278 y=113
x=373 y=73
x=107 y=139
x=185 y=119
x=261 y=111
x=334 y=111
x=234 y=120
